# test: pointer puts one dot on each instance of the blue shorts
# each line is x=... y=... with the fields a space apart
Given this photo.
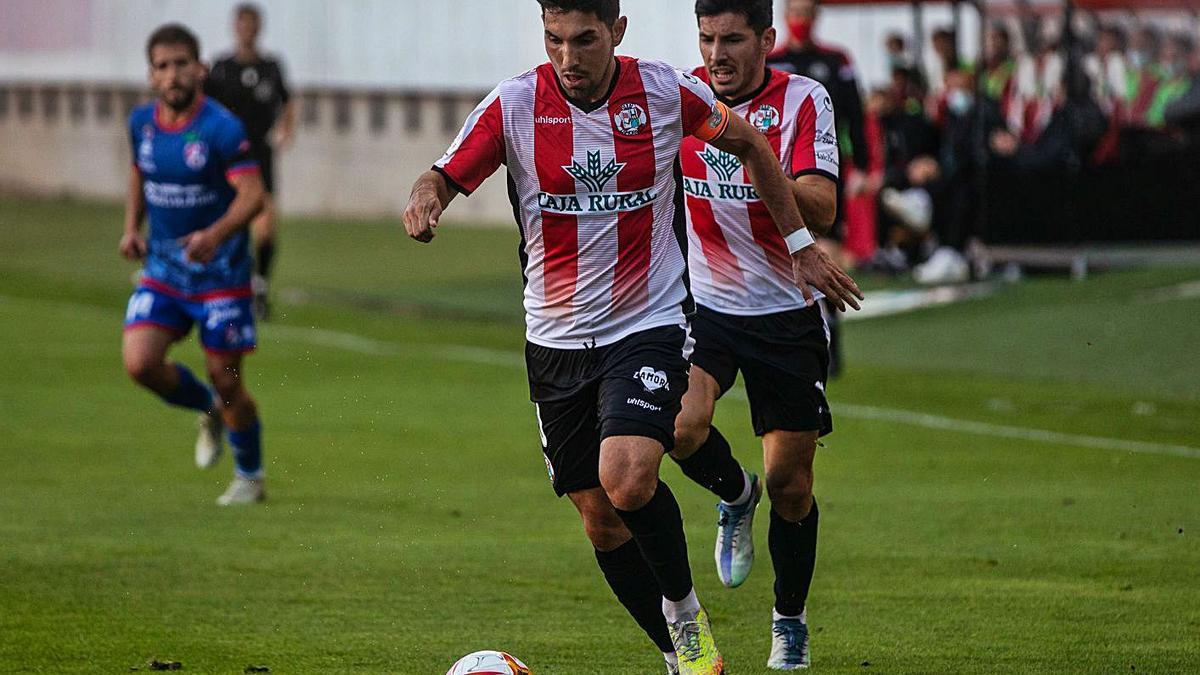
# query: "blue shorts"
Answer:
x=225 y=318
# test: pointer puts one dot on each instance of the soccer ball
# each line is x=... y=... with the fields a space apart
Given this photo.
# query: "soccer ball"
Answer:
x=488 y=663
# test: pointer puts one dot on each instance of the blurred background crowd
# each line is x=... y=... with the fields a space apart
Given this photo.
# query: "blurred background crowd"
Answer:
x=1069 y=126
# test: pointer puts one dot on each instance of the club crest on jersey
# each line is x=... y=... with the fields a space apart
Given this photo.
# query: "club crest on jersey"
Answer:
x=765 y=117
x=652 y=379
x=631 y=119
x=195 y=154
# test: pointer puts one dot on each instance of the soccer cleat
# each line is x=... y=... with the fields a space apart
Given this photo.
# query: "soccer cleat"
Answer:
x=735 y=541
x=695 y=647
x=243 y=491
x=789 y=643
x=208 y=442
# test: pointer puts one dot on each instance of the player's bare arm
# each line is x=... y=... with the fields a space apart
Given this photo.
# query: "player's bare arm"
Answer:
x=133 y=244
x=202 y=245
x=811 y=266
x=816 y=195
x=285 y=136
x=431 y=194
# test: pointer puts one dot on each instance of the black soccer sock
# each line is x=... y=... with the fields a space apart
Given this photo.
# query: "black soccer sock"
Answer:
x=266 y=256
x=793 y=554
x=632 y=581
x=657 y=528
x=714 y=467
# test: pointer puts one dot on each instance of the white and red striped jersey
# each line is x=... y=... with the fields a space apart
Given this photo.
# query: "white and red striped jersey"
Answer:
x=739 y=262
x=595 y=194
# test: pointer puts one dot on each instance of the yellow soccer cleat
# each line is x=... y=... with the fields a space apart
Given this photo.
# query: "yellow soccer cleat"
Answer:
x=695 y=647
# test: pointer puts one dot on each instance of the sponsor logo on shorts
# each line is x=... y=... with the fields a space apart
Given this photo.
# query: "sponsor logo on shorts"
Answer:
x=645 y=405
x=549 y=468
x=652 y=380
x=221 y=312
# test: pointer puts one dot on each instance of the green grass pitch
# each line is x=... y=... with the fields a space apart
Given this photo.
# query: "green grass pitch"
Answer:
x=410 y=520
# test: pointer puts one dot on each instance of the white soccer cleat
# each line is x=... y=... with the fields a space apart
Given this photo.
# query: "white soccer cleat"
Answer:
x=789 y=643
x=243 y=491
x=208 y=442
x=735 y=540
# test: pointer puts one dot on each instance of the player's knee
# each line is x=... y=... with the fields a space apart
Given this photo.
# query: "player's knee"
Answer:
x=790 y=493
x=144 y=371
x=606 y=533
x=227 y=382
x=631 y=492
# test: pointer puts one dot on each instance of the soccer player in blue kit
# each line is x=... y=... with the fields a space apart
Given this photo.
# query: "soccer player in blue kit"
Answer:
x=193 y=176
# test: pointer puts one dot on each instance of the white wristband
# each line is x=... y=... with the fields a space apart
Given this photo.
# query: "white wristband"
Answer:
x=799 y=239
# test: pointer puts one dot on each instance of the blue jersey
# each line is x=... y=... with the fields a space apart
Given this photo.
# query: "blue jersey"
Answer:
x=185 y=172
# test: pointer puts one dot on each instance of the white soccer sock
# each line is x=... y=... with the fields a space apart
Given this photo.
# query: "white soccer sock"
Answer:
x=776 y=616
x=747 y=489
x=671 y=658
x=685 y=609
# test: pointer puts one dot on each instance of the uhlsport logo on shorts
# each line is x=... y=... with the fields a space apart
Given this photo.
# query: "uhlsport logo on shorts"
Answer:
x=652 y=379
x=765 y=117
x=630 y=119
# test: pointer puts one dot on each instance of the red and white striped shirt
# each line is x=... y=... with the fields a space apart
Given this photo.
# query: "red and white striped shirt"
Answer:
x=595 y=195
x=739 y=262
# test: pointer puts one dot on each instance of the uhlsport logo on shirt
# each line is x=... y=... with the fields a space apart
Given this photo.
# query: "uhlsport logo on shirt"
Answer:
x=765 y=117
x=724 y=166
x=652 y=379
x=595 y=178
x=630 y=119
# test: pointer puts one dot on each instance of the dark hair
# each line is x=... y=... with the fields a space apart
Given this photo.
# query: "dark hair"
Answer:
x=759 y=13
x=607 y=11
x=173 y=34
x=245 y=8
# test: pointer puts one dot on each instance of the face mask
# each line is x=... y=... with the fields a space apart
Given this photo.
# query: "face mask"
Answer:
x=801 y=29
x=959 y=102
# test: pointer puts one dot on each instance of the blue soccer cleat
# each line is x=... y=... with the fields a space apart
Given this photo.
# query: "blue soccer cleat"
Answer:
x=735 y=542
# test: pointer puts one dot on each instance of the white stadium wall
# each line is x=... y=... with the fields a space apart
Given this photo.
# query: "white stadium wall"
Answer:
x=383 y=83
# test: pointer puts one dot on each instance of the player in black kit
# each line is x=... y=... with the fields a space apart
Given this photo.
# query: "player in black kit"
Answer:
x=251 y=84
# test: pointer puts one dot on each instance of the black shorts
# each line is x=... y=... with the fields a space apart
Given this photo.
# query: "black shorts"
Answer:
x=784 y=360
x=629 y=388
x=262 y=153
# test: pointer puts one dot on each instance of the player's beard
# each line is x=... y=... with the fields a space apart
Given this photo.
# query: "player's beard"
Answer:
x=181 y=102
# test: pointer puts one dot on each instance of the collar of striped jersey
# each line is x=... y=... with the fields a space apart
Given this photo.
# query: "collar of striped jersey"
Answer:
x=586 y=107
x=733 y=103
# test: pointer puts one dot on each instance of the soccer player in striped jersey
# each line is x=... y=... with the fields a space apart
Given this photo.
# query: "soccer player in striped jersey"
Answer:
x=194 y=179
x=591 y=143
x=751 y=315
